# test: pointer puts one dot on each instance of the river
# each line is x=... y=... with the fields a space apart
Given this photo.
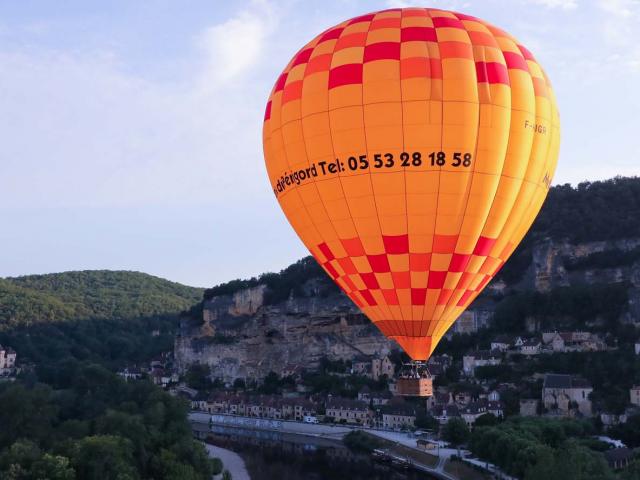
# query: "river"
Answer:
x=284 y=456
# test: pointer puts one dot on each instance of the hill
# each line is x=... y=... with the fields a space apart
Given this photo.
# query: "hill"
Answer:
x=578 y=268
x=602 y=211
x=91 y=294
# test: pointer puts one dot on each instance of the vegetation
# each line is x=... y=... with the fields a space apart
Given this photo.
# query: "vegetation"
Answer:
x=101 y=294
x=360 y=441
x=455 y=431
x=592 y=211
x=113 y=343
x=628 y=432
x=281 y=285
x=538 y=448
x=604 y=259
x=90 y=424
x=563 y=307
x=68 y=416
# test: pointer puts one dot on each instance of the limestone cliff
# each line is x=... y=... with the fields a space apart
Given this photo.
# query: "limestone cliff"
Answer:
x=246 y=339
x=241 y=335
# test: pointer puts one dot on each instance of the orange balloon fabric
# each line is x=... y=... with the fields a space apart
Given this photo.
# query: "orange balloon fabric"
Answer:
x=411 y=149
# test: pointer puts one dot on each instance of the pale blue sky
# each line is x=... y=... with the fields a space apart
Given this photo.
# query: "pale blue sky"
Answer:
x=130 y=134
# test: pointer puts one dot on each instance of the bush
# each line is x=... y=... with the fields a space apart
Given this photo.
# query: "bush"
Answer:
x=216 y=466
x=359 y=441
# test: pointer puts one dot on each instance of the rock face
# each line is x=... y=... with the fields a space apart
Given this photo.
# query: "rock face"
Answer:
x=249 y=341
x=548 y=268
x=241 y=336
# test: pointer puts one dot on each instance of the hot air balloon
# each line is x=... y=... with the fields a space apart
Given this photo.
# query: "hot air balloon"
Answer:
x=411 y=149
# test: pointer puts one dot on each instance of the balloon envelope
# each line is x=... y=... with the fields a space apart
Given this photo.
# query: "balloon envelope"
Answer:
x=411 y=150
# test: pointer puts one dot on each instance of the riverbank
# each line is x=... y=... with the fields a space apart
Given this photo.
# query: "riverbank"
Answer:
x=231 y=461
x=400 y=449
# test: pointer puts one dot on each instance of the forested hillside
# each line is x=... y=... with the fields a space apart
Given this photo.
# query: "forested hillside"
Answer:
x=93 y=294
x=593 y=211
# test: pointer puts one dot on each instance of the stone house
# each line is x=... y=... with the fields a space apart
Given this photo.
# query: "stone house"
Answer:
x=443 y=413
x=443 y=360
x=8 y=358
x=480 y=358
x=344 y=410
x=502 y=343
x=531 y=346
x=364 y=395
x=361 y=366
x=398 y=417
x=564 y=394
x=439 y=398
x=472 y=411
x=529 y=407
x=573 y=341
x=618 y=458
x=382 y=366
x=381 y=398
x=634 y=394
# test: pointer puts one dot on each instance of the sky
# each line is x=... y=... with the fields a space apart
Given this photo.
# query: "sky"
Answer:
x=130 y=133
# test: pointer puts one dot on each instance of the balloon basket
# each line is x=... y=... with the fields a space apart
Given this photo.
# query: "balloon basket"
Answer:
x=414 y=380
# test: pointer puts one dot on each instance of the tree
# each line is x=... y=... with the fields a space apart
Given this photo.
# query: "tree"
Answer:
x=571 y=461
x=486 y=420
x=628 y=432
x=53 y=467
x=427 y=422
x=216 y=465
x=455 y=431
x=226 y=475
x=104 y=457
x=239 y=384
x=199 y=377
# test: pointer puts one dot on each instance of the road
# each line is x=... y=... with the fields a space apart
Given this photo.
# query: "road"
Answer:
x=231 y=460
x=338 y=431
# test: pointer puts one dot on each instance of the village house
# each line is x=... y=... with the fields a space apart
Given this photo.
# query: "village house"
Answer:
x=618 y=458
x=439 y=398
x=374 y=398
x=398 y=416
x=364 y=395
x=462 y=398
x=443 y=360
x=564 y=394
x=480 y=358
x=261 y=406
x=493 y=396
x=292 y=370
x=361 y=366
x=496 y=408
x=573 y=342
x=198 y=402
x=343 y=410
x=131 y=373
x=609 y=419
x=382 y=366
x=472 y=411
x=502 y=343
x=443 y=413
x=381 y=398
x=531 y=346
x=634 y=393
x=529 y=407
x=7 y=360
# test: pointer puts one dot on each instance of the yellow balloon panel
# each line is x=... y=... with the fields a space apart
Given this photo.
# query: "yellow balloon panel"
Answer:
x=411 y=150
